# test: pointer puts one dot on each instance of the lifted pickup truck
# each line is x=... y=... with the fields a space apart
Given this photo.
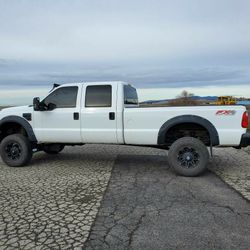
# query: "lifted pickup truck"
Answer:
x=108 y=112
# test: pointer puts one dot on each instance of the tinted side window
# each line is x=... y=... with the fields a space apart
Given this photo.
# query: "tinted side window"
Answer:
x=130 y=95
x=63 y=97
x=98 y=96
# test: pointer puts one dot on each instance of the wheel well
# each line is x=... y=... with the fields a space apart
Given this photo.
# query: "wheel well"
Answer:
x=10 y=128
x=187 y=129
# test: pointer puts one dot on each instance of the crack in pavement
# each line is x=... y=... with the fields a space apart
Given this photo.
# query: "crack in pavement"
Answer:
x=137 y=225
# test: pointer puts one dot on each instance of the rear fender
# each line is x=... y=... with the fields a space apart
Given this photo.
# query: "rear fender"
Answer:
x=213 y=134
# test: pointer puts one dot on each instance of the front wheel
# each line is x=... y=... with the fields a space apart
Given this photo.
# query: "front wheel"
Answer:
x=188 y=156
x=16 y=150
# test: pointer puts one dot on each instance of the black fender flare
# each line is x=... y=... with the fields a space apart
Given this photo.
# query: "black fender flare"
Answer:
x=24 y=123
x=214 y=137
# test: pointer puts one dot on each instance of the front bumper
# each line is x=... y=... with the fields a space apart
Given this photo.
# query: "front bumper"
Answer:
x=245 y=140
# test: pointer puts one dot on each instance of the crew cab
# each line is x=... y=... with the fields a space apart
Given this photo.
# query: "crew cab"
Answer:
x=109 y=112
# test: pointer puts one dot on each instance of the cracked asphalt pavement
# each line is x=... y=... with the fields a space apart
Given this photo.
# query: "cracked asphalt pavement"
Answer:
x=52 y=203
x=122 y=197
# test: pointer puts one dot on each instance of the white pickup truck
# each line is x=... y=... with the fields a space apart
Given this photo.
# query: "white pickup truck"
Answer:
x=108 y=112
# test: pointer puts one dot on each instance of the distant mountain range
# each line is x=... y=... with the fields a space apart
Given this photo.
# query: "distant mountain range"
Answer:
x=202 y=98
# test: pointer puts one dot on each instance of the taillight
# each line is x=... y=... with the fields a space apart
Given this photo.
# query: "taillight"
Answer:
x=244 y=122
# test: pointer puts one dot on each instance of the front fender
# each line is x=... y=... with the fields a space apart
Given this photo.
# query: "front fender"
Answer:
x=24 y=123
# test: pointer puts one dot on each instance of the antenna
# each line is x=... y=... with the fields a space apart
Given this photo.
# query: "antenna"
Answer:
x=56 y=85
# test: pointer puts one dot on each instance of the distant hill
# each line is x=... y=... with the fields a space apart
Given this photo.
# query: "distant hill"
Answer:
x=244 y=103
x=208 y=98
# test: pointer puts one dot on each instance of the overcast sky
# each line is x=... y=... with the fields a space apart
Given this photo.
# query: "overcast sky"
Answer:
x=202 y=46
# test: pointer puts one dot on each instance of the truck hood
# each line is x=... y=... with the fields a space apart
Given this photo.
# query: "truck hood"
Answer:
x=18 y=111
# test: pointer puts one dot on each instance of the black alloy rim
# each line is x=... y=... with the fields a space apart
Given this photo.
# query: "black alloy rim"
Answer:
x=188 y=157
x=13 y=150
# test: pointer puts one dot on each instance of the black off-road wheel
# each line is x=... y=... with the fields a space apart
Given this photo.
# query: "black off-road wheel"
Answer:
x=188 y=156
x=53 y=149
x=16 y=150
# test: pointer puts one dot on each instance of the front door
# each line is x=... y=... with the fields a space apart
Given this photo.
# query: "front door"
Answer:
x=98 y=114
x=61 y=124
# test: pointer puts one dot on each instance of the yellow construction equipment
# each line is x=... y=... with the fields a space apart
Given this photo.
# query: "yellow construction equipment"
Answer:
x=226 y=100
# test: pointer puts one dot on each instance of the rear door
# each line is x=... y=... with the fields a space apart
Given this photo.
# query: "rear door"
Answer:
x=98 y=113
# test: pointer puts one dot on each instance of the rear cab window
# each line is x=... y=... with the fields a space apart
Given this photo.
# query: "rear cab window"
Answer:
x=130 y=96
x=98 y=96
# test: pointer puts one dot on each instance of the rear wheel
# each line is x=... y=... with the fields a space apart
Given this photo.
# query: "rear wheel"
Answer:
x=53 y=149
x=188 y=156
x=16 y=150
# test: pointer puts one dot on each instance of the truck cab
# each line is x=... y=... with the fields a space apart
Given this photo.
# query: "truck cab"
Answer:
x=84 y=113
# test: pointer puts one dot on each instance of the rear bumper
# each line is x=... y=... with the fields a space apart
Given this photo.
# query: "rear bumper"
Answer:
x=245 y=140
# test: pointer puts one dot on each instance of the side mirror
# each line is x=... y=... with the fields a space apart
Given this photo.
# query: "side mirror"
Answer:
x=51 y=106
x=36 y=103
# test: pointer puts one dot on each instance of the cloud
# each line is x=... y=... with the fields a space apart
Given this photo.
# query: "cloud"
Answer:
x=94 y=30
x=152 y=44
x=3 y=63
x=142 y=75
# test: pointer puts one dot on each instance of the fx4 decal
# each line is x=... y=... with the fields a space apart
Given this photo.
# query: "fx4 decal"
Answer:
x=225 y=112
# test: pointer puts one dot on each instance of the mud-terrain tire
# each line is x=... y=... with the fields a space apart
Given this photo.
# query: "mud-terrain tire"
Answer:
x=53 y=149
x=16 y=150
x=188 y=156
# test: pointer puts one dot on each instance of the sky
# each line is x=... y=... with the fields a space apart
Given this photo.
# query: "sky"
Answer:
x=160 y=46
